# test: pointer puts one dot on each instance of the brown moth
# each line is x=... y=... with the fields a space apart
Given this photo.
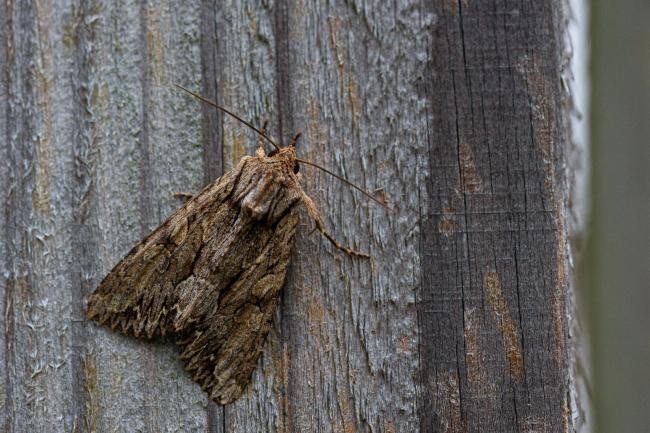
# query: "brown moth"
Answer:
x=211 y=274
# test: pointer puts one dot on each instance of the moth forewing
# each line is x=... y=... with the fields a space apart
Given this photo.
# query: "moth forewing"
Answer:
x=211 y=274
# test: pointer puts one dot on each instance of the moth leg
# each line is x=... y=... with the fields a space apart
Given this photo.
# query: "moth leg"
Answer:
x=183 y=196
x=311 y=232
x=313 y=213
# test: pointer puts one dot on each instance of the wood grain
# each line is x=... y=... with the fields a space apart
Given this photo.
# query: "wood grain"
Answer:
x=451 y=110
x=494 y=294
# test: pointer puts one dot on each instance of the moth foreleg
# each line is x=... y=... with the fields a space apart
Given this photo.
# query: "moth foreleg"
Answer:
x=313 y=213
x=185 y=196
x=348 y=251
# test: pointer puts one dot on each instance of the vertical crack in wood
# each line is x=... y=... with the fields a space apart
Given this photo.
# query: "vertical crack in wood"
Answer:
x=490 y=298
x=285 y=122
x=212 y=140
x=146 y=187
x=212 y=120
x=9 y=198
x=283 y=70
x=83 y=239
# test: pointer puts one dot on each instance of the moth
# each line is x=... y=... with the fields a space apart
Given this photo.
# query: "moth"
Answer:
x=211 y=274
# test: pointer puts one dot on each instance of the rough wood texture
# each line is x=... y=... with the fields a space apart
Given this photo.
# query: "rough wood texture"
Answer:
x=452 y=110
x=494 y=280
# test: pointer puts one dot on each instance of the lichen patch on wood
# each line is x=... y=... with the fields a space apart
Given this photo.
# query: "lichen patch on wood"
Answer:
x=508 y=328
x=450 y=411
x=471 y=178
x=476 y=376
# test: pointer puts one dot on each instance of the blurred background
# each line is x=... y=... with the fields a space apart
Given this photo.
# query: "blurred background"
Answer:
x=614 y=284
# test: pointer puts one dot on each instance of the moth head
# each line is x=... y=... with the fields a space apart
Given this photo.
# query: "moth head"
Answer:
x=288 y=154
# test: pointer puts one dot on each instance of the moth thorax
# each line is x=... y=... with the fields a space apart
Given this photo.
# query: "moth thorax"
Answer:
x=288 y=157
x=263 y=197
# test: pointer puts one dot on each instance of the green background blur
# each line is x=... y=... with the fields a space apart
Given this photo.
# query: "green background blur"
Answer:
x=615 y=276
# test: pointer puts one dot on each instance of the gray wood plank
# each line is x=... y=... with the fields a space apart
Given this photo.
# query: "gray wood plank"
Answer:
x=7 y=233
x=494 y=321
x=153 y=130
x=349 y=327
x=37 y=295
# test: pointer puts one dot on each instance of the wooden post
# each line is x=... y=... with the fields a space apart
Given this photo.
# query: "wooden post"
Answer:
x=451 y=110
x=493 y=310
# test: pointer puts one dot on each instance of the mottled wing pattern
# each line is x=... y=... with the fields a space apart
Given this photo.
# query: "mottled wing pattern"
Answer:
x=221 y=336
x=137 y=297
x=210 y=274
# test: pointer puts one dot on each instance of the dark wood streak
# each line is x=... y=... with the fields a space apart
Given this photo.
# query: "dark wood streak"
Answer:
x=147 y=213
x=83 y=235
x=496 y=152
x=289 y=332
x=284 y=108
x=212 y=121
x=7 y=172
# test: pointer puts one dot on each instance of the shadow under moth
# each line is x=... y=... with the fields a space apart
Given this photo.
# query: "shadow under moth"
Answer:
x=211 y=274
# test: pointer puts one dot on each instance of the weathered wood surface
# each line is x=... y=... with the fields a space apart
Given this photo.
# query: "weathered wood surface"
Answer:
x=453 y=110
x=495 y=272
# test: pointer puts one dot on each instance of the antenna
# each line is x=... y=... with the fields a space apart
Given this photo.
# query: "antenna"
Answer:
x=225 y=110
x=293 y=142
x=344 y=180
